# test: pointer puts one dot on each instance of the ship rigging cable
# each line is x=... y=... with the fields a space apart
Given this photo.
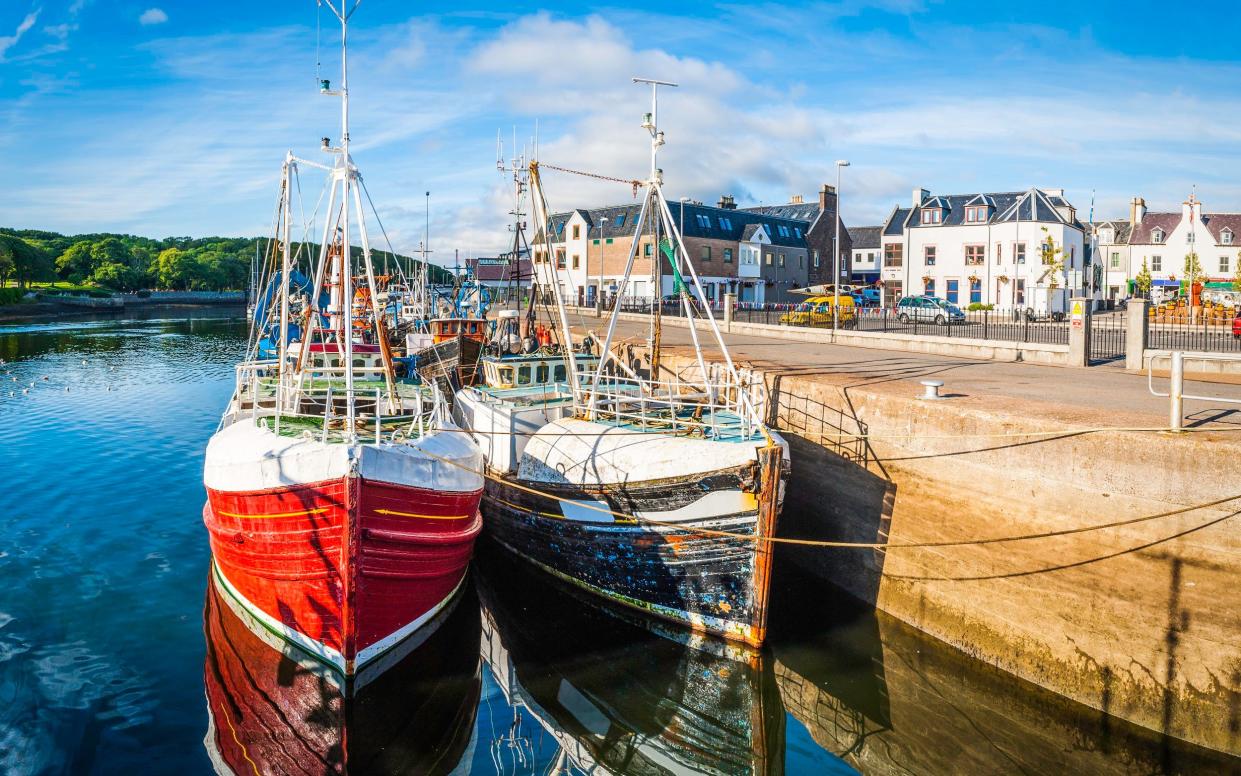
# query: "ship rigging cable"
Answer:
x=634 y=182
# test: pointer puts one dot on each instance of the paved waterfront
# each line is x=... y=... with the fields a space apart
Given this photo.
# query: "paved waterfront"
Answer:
x=1101 y=394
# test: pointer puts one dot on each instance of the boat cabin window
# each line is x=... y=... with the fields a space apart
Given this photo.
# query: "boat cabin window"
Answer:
x=523 y=375
x=506 y=375
x=560 y=373
x=540 y=375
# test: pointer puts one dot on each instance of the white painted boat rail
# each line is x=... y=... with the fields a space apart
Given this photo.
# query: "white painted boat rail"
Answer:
x=1176 y=384
x=268 y=399
x=678 y=406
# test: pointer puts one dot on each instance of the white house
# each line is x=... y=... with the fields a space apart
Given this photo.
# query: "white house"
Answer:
x=1162 y=241
x=989 y=248
x=867 y=249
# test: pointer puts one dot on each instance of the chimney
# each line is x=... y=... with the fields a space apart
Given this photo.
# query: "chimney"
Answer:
x=1137 y=209
x=727 y=202
x=920 y=196
x=796 y=199
x=827 y=198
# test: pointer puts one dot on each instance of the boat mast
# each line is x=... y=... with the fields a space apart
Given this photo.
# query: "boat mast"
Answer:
x=657 y=139
x=286 y=261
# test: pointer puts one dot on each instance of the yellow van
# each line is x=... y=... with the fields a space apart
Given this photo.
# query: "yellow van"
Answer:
x=817 y=311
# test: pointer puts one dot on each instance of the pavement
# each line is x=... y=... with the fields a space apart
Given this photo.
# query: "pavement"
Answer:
x=1078 y=391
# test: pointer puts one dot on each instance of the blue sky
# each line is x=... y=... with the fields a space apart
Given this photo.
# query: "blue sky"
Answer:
x=165 y=118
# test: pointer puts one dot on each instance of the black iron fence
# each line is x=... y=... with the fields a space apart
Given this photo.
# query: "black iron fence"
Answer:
x=1108 y=327
x=1211 y=336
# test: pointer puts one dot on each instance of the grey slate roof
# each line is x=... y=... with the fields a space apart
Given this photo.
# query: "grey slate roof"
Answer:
x=895 y=225
x=805 y=211
x=731 y=228
x=1142 y=231
x=864 y=237
x=750 y=231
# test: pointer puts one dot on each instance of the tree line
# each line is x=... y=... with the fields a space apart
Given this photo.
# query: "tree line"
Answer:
x=124 y=262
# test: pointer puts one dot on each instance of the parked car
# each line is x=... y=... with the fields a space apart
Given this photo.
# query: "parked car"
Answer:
x=866 y=297
x=817 y=311
x=928 y=308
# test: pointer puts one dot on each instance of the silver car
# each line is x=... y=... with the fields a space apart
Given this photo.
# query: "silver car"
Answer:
x=930 y=309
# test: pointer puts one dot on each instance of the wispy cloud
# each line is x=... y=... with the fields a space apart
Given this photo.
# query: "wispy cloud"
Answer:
x=152 y=16
x=9 y=41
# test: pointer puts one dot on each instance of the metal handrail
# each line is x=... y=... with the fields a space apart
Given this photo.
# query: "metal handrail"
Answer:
x=1176 y=383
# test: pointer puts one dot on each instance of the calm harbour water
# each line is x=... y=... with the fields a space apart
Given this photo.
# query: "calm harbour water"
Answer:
x=115 y=657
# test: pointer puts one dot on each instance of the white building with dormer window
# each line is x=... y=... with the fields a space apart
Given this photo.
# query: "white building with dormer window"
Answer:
x=985 y=248
x=1161 y=241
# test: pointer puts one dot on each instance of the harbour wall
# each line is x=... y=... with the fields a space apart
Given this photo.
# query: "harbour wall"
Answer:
x=1139 y=620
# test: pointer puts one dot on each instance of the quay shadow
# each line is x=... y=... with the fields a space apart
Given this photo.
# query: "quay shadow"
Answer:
x=838 y=491
x=888 y=699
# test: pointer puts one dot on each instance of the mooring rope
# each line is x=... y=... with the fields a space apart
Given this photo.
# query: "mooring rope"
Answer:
x=634 y=518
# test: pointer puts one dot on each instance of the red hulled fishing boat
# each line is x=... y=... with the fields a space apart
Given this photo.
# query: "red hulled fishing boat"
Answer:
x=342 y=501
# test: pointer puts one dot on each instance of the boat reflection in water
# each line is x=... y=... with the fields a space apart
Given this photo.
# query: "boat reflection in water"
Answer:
x=616 y=697
x=275 y=709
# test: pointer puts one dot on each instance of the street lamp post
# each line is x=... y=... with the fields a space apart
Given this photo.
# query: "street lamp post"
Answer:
x=836 y=254
x=681 y=226
x=599 y=287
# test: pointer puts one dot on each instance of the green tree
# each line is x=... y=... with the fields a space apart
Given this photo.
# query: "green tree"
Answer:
x=1053 y=259
x=1143 y=280
x=76 y=260
x=1193 y=269
x=22 y=261
x=173 y=269
x=114 y=275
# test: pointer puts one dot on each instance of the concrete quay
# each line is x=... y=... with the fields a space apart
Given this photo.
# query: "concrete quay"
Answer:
x=1140 y=620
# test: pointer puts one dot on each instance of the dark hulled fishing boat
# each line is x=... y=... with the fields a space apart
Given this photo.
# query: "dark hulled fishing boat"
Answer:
x=657 y=492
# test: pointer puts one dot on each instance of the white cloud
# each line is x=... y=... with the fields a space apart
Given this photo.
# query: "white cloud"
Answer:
x=152 y=16
x=9 y=41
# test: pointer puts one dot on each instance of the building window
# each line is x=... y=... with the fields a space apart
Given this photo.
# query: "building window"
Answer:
x=870 y=258
x=1224 y=265
x=1019 y=252
x=976 y=214
x=801 y=261
x=726 y=224
x=1020 y=292
x=998 y=252
x=929 y=287
x=620 y=220
x=577 y=232
x=1189 y=238
x=797 y=232
x=706 y=253
x=952 y=290
x=576 y=261
x=560 y=259
x=646 y=249
x=932 y=215
x=1115 y=259
x=928 y=255
x=728 y=255
x=1156 y=264
x=1157 y=236
x=816 y=259
x=560 y=228
x=893 y=255
x=1225 y=237
x=975 y=291
x=781 y=264
x=608 y=241
x=975 y=254
x=769 y=257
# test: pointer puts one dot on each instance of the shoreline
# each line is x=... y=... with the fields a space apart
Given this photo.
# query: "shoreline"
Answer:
x=51 y=311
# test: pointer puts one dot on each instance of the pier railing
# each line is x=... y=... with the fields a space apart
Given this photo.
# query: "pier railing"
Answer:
x=717 y=406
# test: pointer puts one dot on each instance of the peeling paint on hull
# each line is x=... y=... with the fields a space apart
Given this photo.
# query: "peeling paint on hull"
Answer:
x=716 y=584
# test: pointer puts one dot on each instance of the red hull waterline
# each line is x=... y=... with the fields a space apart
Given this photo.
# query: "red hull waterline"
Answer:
x=346 y=569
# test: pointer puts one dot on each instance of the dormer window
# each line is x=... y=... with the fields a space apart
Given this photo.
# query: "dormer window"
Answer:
x=1225 y=237
x=976 y=214
x=1107 y=236
x=1157 y=236
x=932 y=215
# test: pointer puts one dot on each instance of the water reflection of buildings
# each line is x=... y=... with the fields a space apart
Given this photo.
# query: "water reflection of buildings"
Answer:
x=618 y=699
x=276 y=710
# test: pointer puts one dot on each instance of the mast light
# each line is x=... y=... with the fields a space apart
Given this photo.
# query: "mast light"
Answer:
x=325 y=85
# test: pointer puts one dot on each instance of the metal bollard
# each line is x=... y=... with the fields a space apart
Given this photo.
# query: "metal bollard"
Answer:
x=930 y=390
x=1176 y=391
